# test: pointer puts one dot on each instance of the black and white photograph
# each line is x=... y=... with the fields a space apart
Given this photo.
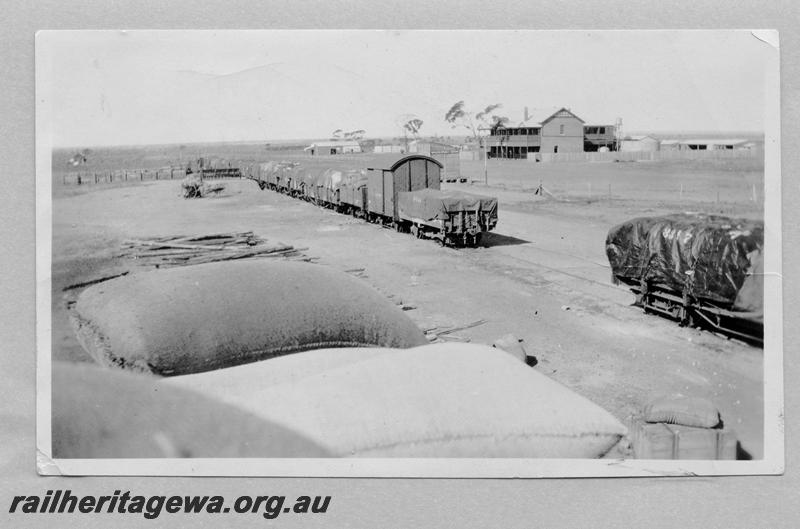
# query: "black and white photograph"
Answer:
x=408 y=253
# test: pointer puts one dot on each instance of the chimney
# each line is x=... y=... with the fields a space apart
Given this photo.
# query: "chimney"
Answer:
x=526 y=114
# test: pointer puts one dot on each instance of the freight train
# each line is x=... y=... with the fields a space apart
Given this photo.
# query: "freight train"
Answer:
x=701 y=270
x=403 y=192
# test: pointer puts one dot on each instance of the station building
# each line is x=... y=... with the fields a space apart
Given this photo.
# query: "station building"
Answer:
x=549 y=131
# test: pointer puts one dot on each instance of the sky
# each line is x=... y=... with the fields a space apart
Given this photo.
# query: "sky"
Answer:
x=99 y=88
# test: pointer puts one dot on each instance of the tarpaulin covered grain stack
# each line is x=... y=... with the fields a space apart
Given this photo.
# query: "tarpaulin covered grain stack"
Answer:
x=709 y=258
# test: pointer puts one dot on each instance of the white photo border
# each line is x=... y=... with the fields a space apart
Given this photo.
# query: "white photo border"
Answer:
x=771 y=463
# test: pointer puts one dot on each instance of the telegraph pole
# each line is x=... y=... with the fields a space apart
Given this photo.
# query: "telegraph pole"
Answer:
x=485 y=157
x=485 y=163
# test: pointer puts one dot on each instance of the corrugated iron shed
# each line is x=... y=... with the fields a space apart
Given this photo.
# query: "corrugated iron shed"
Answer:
x=333 y=144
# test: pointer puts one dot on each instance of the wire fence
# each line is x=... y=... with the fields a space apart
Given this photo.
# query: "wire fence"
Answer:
x=142 y=175
x=646 y=156
x=122 y=175
x=626 y=156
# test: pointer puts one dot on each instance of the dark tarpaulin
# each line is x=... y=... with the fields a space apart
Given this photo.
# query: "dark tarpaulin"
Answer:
x=431 y=204
x=711 y=258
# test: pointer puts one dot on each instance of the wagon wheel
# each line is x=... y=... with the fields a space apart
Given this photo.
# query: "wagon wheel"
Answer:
x=686 y=313
x=688 y=319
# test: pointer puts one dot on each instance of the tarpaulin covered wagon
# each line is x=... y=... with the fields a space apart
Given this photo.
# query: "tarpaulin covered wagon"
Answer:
x=698 y=269
x=274 y=175
x=449 y=216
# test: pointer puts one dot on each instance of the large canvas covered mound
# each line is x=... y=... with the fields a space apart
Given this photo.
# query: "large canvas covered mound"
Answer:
x=430 y=204
x=100 y=413
x=202 y=317
x=440 y=400
x=709 y=258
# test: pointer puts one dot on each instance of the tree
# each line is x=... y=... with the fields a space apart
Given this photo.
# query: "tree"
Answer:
x=340 y=134
x=459 y=116
x=354 y=134
x=499 y=121
x=408 y=123
x=413 y=126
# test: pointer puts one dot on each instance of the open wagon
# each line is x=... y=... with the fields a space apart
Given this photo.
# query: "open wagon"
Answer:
x=452 y=217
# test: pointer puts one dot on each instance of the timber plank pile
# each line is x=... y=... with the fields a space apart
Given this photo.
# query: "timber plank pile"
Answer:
x=182 y=250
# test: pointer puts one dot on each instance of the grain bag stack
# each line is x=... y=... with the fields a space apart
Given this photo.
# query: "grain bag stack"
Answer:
x=287 y=359
x=102 y=413
x=198 y=318
x=438 y=400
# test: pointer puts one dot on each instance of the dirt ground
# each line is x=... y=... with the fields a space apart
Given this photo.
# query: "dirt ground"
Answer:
x=542 y=275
